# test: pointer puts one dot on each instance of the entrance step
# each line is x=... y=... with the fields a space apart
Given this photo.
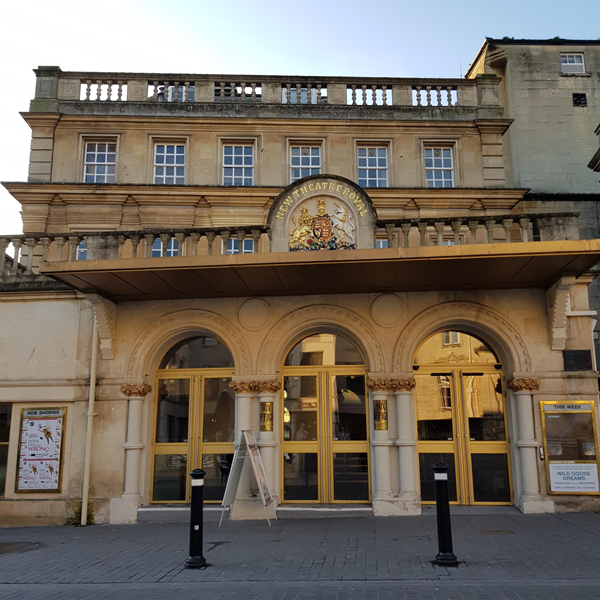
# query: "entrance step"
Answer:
x=474 y=510
x=181 y=514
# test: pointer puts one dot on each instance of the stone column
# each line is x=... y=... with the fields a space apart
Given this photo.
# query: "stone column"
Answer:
x=407 y=445
x=382 y=494
x=124 y=509
x=267 y=394
x=530 y=500
x=245 y=505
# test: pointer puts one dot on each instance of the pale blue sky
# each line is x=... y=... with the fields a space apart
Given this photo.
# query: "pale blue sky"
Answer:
x=308 y=37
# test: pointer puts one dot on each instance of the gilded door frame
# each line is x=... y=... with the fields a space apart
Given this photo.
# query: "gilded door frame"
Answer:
x=325 y=446
x=194 y=447
x=463 y=448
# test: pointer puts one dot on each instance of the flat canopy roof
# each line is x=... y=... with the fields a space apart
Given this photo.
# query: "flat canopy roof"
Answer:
x=469 y=267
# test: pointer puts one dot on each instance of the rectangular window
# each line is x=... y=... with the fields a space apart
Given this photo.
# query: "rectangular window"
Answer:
x=444 y=387
x=439 y=167
x=238 y=165
x=169 y=164
x=99 y=162
x=572 y=63
x=372 y=166
x=451 y=338
x=579 y=100
x=304 y=161
x=233 y=247
x=172 y=248
x=381 y=242
x=5 y=414
x=81 y=251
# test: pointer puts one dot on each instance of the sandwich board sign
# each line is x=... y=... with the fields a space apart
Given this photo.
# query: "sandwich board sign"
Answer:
x=248 y=448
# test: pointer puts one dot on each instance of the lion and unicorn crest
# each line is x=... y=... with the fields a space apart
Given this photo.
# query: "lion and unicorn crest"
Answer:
x=323 y=231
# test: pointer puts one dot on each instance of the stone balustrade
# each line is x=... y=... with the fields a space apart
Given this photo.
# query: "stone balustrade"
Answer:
x=57 y=86
x=21 y=255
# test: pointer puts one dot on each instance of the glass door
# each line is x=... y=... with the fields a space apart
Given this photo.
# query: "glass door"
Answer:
x=194 y=428
x=325 y=436
x=461 y=422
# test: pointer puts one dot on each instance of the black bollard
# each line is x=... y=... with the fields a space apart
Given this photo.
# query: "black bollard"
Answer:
x=196 y=559
x=445 y=556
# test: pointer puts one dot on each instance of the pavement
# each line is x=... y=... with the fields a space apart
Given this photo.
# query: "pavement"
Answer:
x=506 y=556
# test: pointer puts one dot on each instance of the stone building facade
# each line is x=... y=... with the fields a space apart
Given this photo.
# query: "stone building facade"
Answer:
x=343 y=266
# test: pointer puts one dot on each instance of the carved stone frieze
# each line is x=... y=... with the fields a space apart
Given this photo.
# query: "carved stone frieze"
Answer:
x=523 y=384
x=396 y=385
x=137 y=390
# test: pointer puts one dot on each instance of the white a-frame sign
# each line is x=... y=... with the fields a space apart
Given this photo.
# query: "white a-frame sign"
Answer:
x=248 y=448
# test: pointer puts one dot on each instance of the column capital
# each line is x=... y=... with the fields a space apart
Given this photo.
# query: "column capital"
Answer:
x=251 y=387
x=523 y=384
x=397 y=385
x=135 y=389
x=268 y=387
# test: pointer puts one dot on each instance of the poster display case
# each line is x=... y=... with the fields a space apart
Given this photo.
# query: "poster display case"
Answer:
x=41 y=450
x=570 y=447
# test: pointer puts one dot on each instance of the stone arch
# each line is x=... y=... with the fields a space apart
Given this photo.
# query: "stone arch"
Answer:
x=334 y=190
x=320 y=318
x=155 y=341
x=472 y=318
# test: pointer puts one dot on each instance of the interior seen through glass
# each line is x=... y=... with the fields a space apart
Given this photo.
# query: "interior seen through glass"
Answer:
x=324 y=349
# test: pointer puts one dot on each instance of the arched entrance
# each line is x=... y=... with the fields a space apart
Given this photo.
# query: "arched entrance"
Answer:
x=461 y=419
x=325 y=450
x=194 y=420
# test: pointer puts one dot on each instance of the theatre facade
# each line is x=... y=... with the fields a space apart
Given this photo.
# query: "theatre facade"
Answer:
x=341 y=266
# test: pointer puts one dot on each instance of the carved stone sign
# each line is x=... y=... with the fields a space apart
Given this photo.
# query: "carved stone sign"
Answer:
x=322 y=213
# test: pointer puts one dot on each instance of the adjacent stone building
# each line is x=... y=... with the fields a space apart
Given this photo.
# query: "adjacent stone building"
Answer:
x=346 y=267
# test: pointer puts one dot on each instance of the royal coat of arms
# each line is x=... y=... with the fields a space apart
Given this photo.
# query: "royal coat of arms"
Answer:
x=323 y=231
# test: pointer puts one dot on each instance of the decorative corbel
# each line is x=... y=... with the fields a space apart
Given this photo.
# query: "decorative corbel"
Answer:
x=557 y=298
x=106 y=318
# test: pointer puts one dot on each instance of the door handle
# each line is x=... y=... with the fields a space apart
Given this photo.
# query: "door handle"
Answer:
x=541 y=452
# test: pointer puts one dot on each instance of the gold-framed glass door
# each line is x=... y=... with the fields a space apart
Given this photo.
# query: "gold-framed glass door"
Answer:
x=461 y=420
x=194 y=428
x=325 y=450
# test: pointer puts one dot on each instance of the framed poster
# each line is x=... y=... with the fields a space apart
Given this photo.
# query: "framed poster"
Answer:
x=570 y=447
x=41 y=450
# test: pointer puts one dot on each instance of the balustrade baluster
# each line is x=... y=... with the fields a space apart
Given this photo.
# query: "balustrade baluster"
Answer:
x=489 y=227
x=232 y=92
x=165 y=91
x=319 y=86
x=374 y=93
x=439 y=228
x=438 y=95
x=45 y=241
x=3 y=247
x=456 y=227
x=288 y=89
x=473 y=225
x=243 y=86
x=98 y=90
x=507 y=225
x=353 y=94
x=384 y=94
x=176 y=91
x=428 y=95
x=149 y=237
x=31 y=243
x=73 y=245
x=449 y=95
x=165 y=238
x=17 y=243
x=180 y=238
x=222 y=91
x=524 y=224
x=253 y=92
x=210 y=238
x=418 y=89
x=59 y=242
x=405 y=233
x=88 y=89
x=256 y=233
x=186 y=91
x=422 y=226
x=119 y=91
x=390 y=229
x=109 y=90
x=155 y=94
x=298 y=93
x=194 y=239
x=309 y=93
x=364 y=94
x=135 y=242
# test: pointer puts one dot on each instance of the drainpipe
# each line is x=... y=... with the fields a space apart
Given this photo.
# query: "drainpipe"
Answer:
x=90 y=427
